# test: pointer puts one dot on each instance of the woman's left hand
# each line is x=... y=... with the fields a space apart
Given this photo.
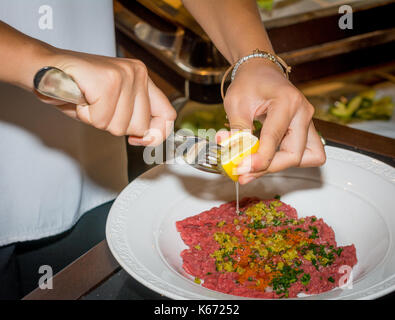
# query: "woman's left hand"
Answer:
x=288 y=137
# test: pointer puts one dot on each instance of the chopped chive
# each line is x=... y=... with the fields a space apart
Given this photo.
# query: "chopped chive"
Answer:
x=276 y=222
x=305 y=279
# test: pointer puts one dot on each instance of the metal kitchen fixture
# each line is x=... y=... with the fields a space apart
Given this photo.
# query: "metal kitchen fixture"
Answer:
x=188 y=51
x=304 y=33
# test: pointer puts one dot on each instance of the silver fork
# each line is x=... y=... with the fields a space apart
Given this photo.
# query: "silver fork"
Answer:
x=55 y=83
x=198 y=152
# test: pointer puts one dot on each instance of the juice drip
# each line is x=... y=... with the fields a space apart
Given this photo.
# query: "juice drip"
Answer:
x=237 y=198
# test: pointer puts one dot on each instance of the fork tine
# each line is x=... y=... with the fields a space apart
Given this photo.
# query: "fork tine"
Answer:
x=201 y=153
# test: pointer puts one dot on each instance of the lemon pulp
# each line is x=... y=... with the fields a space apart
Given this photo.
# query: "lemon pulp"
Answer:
x=235 y=148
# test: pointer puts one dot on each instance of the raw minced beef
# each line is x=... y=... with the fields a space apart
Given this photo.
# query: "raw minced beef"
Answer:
x=264 y=252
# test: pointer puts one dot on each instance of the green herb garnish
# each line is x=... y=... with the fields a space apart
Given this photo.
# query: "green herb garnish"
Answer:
x=339 y=251
x=257 y=224
x=305 y=279
x=314 y=234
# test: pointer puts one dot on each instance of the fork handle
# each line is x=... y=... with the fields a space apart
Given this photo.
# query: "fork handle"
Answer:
x=54 y=83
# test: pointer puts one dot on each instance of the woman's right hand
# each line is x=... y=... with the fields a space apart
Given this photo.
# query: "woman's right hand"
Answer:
x=121 y=97
x=288 y=137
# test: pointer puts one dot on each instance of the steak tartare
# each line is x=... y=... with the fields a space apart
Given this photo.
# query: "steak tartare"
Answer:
x=264 y=252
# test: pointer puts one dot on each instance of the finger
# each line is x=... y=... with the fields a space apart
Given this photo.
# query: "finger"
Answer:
x=68 y=109
x=136 y=141
x=162 y=121
x=49 y=100
x=141 y=117
x=160 y=105
x=239 y=118
x=314 y=154
x=222 y=135
x=247 y=178
x=163 y=114
x=274 y=127
x=155 y=135
x=83 y=114
x=123 y=113
x=100 y=112
x=293 y=144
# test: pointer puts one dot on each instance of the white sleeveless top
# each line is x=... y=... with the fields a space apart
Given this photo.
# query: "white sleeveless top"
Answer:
x=53 y=168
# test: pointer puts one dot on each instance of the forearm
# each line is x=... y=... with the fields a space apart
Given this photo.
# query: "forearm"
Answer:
x=234 y=26
x=20 y=57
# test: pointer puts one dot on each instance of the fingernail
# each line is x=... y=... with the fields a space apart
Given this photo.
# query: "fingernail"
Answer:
x=132 y=141
x=136 y=144
x=248 y=180
x=242 y=170
x=244 y=167
x=148 y=139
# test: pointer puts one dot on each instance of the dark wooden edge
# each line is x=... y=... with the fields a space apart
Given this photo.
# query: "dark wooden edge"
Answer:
x=356 y=138
x=81 y=276
x=338 y=47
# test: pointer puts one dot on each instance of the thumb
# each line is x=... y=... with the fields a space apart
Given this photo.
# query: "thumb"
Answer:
x=240 y=122
x=239 y=117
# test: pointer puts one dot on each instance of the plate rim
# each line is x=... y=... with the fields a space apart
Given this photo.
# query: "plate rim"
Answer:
x=154 y=283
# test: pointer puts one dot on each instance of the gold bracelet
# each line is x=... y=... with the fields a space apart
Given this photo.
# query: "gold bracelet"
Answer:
x=255 y=54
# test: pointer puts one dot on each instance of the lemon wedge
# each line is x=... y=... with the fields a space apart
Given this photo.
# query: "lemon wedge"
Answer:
x=235 y=148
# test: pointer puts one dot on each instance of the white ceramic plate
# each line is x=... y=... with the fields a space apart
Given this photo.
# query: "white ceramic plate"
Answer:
x=353 y=193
